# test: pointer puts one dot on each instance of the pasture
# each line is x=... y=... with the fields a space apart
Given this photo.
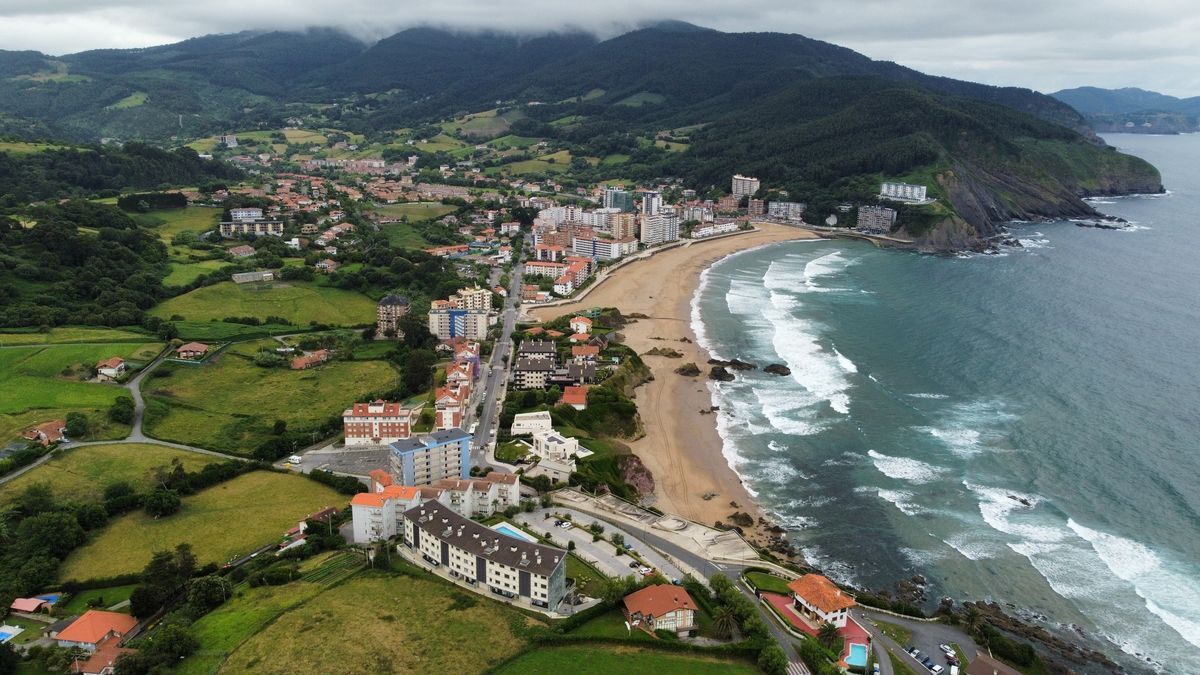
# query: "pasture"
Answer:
x=227 y=520
x=623 y=659
x=81 y=474
x=416 y=211
x=183 y=274
x=231 y=404
x=298 y=302
x=72 y=334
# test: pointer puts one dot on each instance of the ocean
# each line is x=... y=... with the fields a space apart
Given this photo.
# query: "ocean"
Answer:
x=1023 y=428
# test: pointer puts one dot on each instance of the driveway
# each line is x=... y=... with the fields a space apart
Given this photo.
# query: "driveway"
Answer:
x=926 y=636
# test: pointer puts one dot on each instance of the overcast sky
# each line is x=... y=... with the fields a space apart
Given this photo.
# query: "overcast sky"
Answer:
x=1042 y=44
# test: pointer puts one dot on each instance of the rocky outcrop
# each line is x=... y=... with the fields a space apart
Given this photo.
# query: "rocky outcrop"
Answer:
x=635 y=473
x=1057 y=646
x=688 y=370
x=719 y=374
x=777 y=369
x=665 y=351
x=734 y=364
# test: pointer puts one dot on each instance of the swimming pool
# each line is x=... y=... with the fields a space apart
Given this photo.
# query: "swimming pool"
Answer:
x=510 y=531
x=9 y=632
x=857 y=656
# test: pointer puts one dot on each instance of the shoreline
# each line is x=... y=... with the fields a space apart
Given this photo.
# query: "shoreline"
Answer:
x=681 y=448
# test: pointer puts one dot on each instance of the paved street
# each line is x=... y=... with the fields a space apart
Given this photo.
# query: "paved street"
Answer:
x=926 y=636
x=497 y=372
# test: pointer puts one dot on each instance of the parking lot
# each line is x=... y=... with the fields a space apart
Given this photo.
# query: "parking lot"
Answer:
x=927 y=638
x=338 y=459
x=601 y=553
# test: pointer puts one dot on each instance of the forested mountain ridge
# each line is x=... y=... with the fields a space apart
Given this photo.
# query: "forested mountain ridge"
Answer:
x=821 y=121
x=1133 y=110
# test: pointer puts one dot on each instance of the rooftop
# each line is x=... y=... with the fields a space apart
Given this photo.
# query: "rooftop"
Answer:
x=95 y=624
x=658 y=600
x=441 y=522
x=821 y=593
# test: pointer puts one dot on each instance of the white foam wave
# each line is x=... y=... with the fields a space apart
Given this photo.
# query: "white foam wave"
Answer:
x=846 y=364
x=971 y=547
x=901 y=499
x=906 y=468
x=963 y=442
x=1040 y=242
x=938 y=397
x=785 y=412
x=921 y=558
x=818 y=371
x=1004 y=511
x=697 y=321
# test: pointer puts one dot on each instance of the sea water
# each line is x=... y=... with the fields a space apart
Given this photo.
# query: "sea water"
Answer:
x=1023 y=428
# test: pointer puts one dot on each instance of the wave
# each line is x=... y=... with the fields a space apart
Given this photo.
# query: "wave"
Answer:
x=970 y=547
x=906 y=468
x=938 y=397
x=1004 y=511
x=697 y=322
x=968 y=429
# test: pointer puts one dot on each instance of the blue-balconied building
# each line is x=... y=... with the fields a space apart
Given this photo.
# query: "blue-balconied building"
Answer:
x=421 y=460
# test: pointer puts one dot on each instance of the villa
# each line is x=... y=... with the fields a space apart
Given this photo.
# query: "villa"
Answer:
x=529 y=423
x=662 y=607
x=192 y=350
x=819 y=600
x=109 y=370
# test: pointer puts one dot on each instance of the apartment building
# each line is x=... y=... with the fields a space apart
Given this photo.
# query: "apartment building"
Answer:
x=616 y=198
x=604 y=249
x=651 y=203
x=743 y=186
x=447 y=322
x=450 y=404
x=473 y=298
x=376 y=513
x=790 y=211
x=905 y=192
x=876 y=218
x=714 y=229
x=423 y=460
x=659 y=229
x=387 y=316
x=376 y=423
x=528 y=423
x=255 y=228
x=482 y=557
x=533 y=373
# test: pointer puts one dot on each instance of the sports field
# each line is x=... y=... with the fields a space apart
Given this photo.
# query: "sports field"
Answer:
x=227 y=520
x=297 y=302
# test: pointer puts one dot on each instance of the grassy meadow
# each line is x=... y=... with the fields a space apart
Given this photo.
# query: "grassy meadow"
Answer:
x=620 y=659
x=81 y=474
x=413 y=625
x=224 y=521
x=183 y=274
x=297 y=302
x=230 y=404
x=167 y=223
x=415 y=211
x=72 y=334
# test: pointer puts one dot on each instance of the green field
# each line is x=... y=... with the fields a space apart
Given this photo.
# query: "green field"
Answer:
x=220 y=331
x=486 y=123
x=768 y=582
x=167 y=223
x=510 y=141
x=561 y=163
x=41 y=383
x=619 y=659
x=297 y=302
x=440 y=143
x=25 y=148
x=78 y=604
x=231 y=404
x=72 y=334
x=81 y=474
x=642 y=98
x=224 y=521
x=616 y=158
x=131 y=101
x=416 y=211
x=376 y=623
x=183 y=274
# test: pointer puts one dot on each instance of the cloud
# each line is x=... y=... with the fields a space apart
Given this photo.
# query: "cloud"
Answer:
x=1033 y=43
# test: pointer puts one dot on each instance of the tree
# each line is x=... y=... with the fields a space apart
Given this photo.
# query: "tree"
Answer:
x=185 y=561
x=146 y=600
x=162 y=502
x=55 y=533
x=91 y=516
x=973 y=620
x=35 y=499
x=206 y=593
x=77 y=425
x=772 y=660
x=827 y=635
x=725 y=621
x=9 y=659
x=122 y=410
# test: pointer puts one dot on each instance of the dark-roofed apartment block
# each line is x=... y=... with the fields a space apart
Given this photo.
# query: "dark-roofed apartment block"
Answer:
x=483 y=557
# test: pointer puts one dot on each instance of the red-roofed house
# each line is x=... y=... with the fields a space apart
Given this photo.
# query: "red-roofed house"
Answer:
x=109 y=370
x=242 y=251
x=581 y=324
x=579 y=337
x=536 y=330
x=583 y=353
x=820 y=600
x=47 y=432
x=29 y=605
x=192 y=350
x=450 y=404
x=310 y=359
x=662 y=607
x=554 y=334
x=576 y=397
x=94 y=629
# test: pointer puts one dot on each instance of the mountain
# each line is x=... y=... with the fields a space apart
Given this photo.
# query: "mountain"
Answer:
x=816 y=119
x=1133 y=110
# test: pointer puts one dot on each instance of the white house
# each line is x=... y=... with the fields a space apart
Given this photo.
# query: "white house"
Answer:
x=109 y=370
x=819 y=600
x=552 y=445
x=529 y=423
x=662 y=607
x=581 y=324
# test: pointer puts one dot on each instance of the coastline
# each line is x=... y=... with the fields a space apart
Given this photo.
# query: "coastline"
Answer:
x=681 y=447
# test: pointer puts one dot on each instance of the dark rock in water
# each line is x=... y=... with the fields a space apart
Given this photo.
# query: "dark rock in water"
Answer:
x=738 y=364
x=688 y=370
x=777 y=369
x=1099 y=226
x=1022 y=500
x=918 y=579
x=1011 y=241
x=719 y=374
x=717 y=362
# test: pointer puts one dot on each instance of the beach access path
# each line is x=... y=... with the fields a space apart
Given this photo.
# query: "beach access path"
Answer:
x=681 y=447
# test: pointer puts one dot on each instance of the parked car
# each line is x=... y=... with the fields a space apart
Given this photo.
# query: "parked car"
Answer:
x=295 y=459
x=928 y=662
x=633 y=564
x=875 y=671
x=946 y=649
x=936 y=669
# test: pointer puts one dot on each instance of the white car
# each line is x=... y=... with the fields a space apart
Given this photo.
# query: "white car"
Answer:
x=294 y=459
x=936 y=669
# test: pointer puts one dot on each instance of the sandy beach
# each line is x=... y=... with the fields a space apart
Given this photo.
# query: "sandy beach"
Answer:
x=681 y=446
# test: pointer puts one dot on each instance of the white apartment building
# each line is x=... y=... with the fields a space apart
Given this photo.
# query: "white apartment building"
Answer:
x=482 y=557
x=714 y=229
x=604 y=249
x=905 y=192
x=553 y=445
x=473 y=298
x=446 y=322
x=245 y=214
x=744 y=186
x=659 y=229
x=529 y=423
x=424 y=460
x=256 y=228
x=792 y=211
x=651 y=203
x=376 y=513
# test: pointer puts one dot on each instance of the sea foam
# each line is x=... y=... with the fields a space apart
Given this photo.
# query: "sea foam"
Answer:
x=906 y=468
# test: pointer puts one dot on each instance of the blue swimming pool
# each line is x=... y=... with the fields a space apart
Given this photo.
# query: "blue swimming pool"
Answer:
x=857 y=656
x=510 y=531
x=5 y=636
x=51 y=598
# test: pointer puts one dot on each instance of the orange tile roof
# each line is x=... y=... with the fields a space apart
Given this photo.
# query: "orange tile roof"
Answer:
x=574 y=396
x=400 y=492
x=658 y=600
x=110 y=363
x=381 y=477
x=585 y=350
x=95 y=624
x=371 y=499
x=821 y=593
x=192 y=347
x=581 y=319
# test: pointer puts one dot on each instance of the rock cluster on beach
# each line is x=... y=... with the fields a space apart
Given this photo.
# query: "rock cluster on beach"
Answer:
x=688 y=369
x=665 y=351
x=719 y=374
x=777 y=369
x=734 y=364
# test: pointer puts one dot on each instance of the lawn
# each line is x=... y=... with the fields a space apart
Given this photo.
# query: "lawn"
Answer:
x=221 y=331
x=899 y=633
x=131 y=101
x=39 y=383
x=590 y=580
x=78 y=604
x=616 y=158
x=610 y=624
x=224 y=521
x=619 y=659
x=642 y=98
x=83 y=473
x=768 y=582
x=231 y=404
x=561 y=163
x=24 y=148
x=33 y=629
x=377 y=623
x=510 y=141
x=899 y=667
x=440 y=143
x=70 y=334
x=416 y=211
x=183 y=274
x=297 y=302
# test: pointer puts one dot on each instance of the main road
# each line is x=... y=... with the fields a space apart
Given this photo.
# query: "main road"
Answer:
x=497 y=369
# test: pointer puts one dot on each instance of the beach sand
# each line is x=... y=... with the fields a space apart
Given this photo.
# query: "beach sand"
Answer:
x=681 y=446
